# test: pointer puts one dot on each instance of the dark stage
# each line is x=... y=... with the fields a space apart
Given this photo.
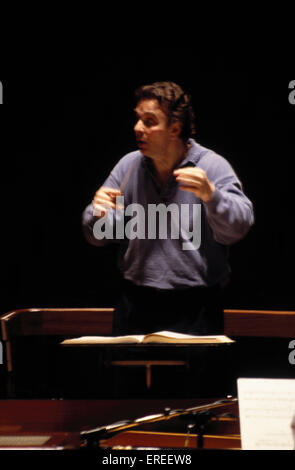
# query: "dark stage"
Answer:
x=67 y=119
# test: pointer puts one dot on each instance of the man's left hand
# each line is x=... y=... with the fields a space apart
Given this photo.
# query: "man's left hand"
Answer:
x=195 y=180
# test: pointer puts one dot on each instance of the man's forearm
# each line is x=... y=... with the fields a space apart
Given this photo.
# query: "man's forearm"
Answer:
x=88 y=225
x=230 y=215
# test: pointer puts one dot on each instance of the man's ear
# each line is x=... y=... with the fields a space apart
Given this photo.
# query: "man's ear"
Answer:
x=175 y=130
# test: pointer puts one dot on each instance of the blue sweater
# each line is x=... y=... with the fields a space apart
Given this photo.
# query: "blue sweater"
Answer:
x=175 y=262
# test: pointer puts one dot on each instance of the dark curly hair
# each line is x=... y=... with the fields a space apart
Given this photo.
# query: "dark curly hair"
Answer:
x=174 y=102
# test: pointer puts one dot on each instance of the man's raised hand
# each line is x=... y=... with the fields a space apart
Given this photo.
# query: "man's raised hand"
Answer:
x=105 y=199
x=195 y=180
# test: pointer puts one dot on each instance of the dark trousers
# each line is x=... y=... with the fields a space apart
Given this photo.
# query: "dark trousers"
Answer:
x=143 y=310
x=198 y=311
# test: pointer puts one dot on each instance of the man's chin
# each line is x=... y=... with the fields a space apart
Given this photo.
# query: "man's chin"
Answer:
x=147 y=153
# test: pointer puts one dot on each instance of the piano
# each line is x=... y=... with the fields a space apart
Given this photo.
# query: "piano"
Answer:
x=62 y=424
x=59 y=423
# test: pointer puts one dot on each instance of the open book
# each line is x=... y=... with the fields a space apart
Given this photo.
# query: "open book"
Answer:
x=157 y=337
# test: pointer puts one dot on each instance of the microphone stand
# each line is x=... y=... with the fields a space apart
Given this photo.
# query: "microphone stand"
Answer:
x=201 y=415
x=198 y=422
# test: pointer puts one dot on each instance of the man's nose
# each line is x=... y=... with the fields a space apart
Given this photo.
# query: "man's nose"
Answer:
x=138 y=128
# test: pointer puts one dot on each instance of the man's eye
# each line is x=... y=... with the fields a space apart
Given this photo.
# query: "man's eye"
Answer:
x=149 y=122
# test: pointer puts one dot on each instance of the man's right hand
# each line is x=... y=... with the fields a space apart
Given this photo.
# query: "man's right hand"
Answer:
x=105 y=199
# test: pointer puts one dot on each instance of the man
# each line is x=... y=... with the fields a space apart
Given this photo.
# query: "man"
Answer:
x=174 y=282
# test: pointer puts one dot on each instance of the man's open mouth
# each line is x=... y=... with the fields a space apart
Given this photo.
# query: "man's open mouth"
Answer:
x=140 y=143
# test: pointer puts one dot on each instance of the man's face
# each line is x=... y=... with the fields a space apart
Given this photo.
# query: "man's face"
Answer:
x=152 y=132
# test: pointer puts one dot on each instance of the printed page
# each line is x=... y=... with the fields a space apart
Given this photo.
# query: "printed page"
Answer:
x=267 y=408
x=104 y=340
x=182 y=337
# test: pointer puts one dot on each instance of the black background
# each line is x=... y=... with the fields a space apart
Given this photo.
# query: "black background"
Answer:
x=66 y=120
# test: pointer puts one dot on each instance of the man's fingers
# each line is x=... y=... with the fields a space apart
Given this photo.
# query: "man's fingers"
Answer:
x=105 y=204
x=193 y=172
x=99 y=210
x=112 y=191
x=105 y=199
x=187 y=180
x=101 y=198
x=186 y=170
x=107 y=196
x=191 y=189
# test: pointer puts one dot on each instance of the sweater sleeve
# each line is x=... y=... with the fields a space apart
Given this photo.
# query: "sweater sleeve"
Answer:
x=229 y=212
x=92 y=227
x=91 y=224
x=89 y=229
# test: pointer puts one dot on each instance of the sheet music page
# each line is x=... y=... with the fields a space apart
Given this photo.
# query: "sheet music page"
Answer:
x=267 y=408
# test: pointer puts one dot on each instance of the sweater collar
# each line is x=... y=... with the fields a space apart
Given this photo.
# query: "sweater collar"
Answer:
x=191 y=159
